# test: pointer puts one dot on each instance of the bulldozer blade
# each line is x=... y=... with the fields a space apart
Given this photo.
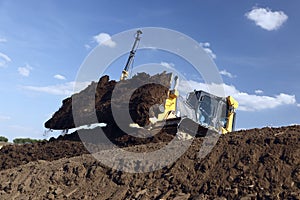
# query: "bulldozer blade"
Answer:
x=167 y=123
x=191 y=127
x=185 y=125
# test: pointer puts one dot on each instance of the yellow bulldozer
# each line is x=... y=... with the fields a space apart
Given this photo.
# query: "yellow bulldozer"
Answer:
x=199 y=112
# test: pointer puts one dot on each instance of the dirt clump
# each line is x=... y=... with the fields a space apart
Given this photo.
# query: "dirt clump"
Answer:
x=95 y=103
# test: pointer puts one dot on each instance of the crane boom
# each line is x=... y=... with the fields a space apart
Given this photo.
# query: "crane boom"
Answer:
x=125 y=71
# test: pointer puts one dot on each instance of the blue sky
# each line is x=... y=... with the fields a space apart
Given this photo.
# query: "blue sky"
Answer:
x=255 y=45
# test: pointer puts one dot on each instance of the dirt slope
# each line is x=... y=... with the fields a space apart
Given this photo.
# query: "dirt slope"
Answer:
x=253 y=164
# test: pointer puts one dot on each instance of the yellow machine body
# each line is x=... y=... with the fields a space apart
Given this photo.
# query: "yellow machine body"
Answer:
x=124 y=75
x=170 y=106
x=232 y=105
x=214 y=113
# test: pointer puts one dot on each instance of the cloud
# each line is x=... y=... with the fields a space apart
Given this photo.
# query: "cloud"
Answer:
x=226 y=73
x=4 y=60
x=2 y=39
x=87 y=46
x=4 y=118
x=25 y=71
x=259 y=92
x=104 y=39
x=206 y=47
x=298 y=105
x=60 y=89
x=167 y=65
x=247 y=102
x=267 y=19
x=59 y=77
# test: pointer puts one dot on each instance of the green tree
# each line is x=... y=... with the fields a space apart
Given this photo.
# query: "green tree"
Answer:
x=3 y=139
x=25 y=140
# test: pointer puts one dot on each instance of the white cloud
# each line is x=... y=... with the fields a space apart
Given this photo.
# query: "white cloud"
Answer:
x=206 y=47
x=60 y=89
x=267 y=19
x=59 y=77
x=226 y=73
x=25 y=71
x=167 y=65
x=298 y=105
x=4 y=118
x=104 y=39
x=2 y=39
x=87 y=46
x=259 y=92
x=4 y=60
x=247 y=102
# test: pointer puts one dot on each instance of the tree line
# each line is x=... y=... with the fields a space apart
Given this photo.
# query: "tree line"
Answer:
x=20 y=140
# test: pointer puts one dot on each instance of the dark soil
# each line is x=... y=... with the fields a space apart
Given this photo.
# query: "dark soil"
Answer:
x=251 y=164
x=136 y=95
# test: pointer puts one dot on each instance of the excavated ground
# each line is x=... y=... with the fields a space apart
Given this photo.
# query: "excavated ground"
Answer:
x=251 y=164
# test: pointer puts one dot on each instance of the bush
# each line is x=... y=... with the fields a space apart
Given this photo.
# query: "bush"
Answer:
x=3 y=139
x=25 y=140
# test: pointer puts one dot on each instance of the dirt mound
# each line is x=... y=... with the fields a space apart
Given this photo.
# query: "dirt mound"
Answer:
x=253 y=164
x=70 y=145
x=15 y=155
x=139 y=93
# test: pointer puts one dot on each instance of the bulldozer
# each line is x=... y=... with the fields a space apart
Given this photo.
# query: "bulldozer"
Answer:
x=199 y=112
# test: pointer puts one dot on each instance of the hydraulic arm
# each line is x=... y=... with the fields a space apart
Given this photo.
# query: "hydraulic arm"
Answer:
x=129 y=62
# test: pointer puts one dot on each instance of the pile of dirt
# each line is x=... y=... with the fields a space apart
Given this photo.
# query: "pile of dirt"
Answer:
x=249 y=164
x=137 y=95
x=70 y=145
x=15 y=155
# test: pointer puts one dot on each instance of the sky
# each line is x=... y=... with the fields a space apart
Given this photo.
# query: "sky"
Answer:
x=255 y=45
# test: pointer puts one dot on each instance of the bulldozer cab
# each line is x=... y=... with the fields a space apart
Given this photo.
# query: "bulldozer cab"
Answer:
x=211 y=111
